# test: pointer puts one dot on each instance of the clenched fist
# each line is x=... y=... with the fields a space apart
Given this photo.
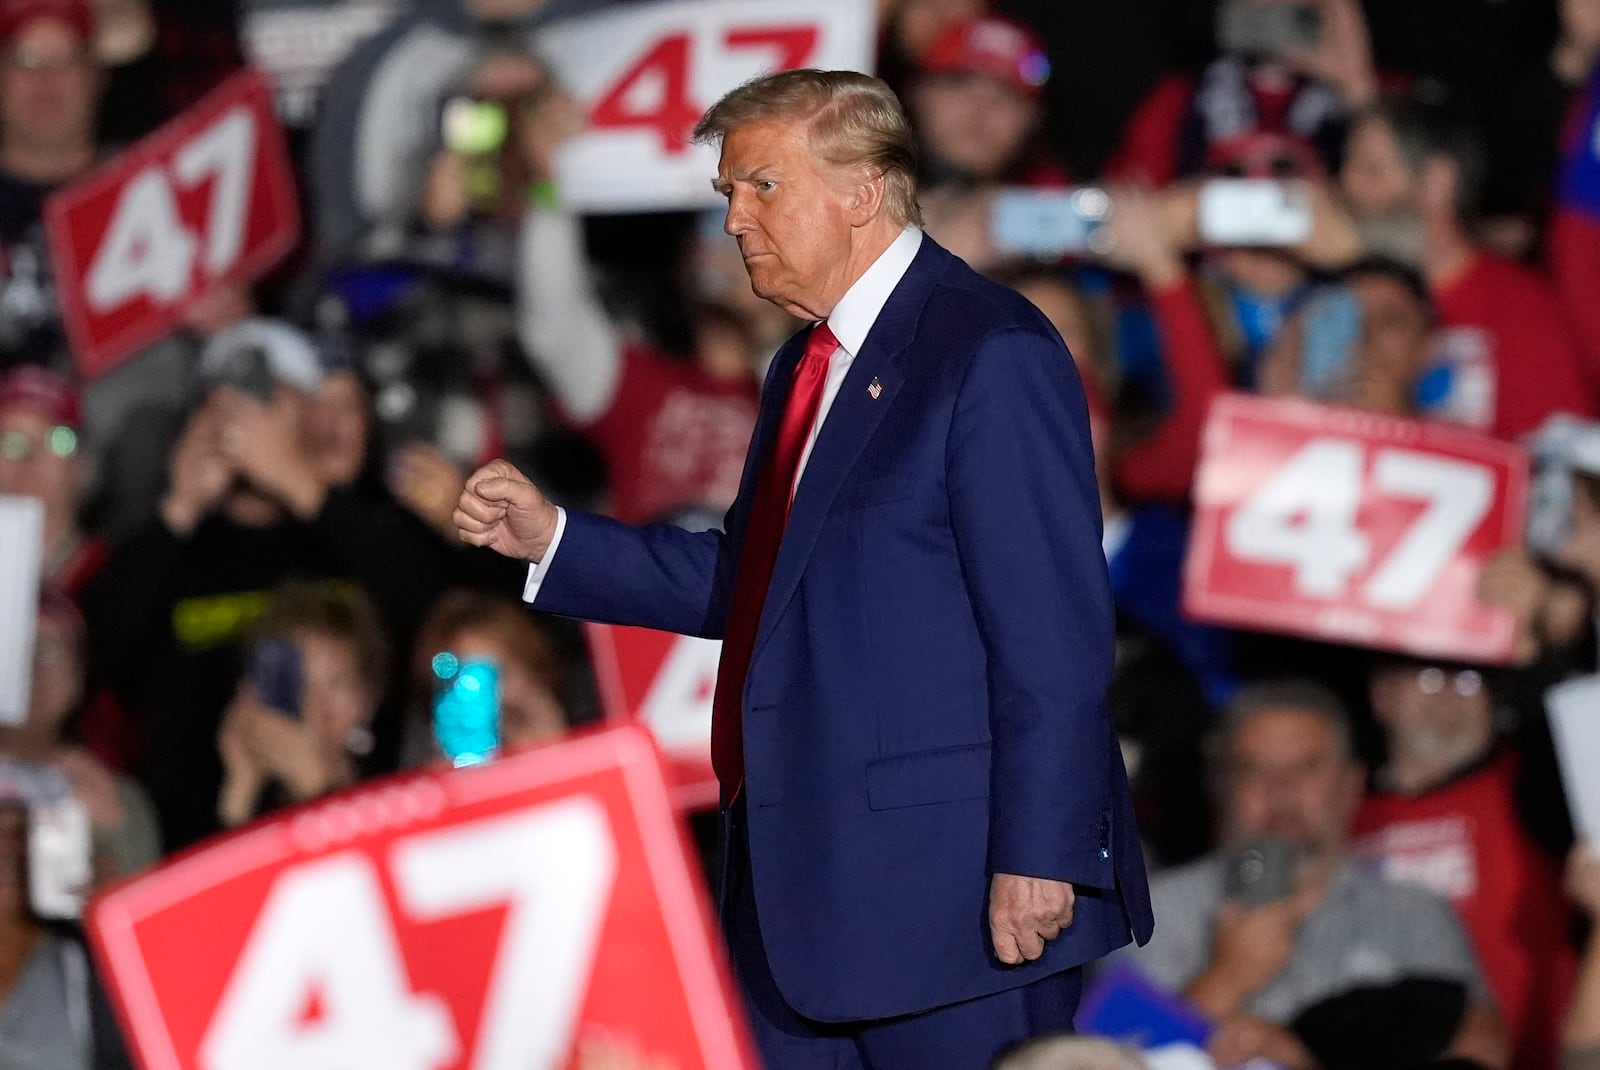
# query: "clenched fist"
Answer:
x=1025 y=913
x=500 y=509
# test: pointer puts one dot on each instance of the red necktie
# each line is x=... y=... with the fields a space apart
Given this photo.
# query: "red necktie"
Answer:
x=763 y=535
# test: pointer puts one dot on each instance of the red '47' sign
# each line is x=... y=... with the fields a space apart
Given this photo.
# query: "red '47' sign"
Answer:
x=535 y=913
x=1351 y=527
x=646 y=73
x=664 y=682
x=208 y=198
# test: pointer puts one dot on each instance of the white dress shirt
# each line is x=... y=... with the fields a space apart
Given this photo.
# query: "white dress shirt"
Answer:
x=851 y=321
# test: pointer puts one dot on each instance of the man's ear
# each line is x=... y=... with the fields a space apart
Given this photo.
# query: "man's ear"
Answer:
x=866 y=197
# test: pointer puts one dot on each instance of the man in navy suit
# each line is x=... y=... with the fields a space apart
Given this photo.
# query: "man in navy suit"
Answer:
x=928 y=822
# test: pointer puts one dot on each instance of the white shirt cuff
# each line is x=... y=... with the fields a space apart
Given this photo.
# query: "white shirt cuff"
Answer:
x=536 y=571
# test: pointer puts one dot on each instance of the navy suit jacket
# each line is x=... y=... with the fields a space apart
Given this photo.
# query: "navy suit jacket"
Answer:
x=925 y=705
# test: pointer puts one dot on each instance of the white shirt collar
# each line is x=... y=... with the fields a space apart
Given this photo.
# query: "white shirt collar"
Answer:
x=858 y=309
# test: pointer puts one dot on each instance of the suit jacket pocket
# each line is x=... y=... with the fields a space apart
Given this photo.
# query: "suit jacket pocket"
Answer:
x=932 y=776
x=880 y=490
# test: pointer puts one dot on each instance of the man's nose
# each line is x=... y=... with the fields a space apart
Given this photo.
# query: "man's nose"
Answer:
x=737 y=221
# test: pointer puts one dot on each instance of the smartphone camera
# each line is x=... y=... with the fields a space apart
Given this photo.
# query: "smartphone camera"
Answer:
x=466 y=709
x=476 y=132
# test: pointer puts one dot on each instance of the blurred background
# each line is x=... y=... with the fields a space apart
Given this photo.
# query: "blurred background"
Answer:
x=250 y=571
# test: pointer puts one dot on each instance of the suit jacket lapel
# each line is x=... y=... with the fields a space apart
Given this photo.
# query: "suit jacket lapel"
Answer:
x=850 y=423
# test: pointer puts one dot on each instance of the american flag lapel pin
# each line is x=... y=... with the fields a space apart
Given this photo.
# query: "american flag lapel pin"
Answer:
x=875 y=388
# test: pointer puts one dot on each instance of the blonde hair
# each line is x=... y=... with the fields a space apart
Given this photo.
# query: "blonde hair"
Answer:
x=854 y=121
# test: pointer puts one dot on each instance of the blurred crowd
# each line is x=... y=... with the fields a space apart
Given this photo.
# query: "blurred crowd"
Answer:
x=280 y=472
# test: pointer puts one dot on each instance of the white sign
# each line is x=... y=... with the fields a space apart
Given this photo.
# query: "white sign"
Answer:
x=21 y=540
x=1574 y=709
x=646 y=74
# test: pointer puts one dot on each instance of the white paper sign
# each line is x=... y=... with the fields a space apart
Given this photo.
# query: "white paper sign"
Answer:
x=647 y=72
x=21 y=540
x=1574 y=710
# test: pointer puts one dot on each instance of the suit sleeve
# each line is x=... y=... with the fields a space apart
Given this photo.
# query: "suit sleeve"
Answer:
x=1026 y=516
x=657 y=576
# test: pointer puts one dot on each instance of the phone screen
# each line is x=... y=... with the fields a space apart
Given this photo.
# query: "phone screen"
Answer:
x=1048 y=223
x=466 y=709
x=278 y=674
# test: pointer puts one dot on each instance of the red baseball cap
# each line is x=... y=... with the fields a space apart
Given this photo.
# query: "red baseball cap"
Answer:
x=992 y=46
x=42 y=391
x=18 y=15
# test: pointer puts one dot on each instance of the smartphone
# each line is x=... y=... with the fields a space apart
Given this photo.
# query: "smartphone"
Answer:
x=277 y=672
x=1261 y=212
x=1331 y=332
x=476 y=131
x=60 y=860
x=1268 y=27
x=1259 y=873
x=248 y=370
x=466 y=709
x=1049 y=223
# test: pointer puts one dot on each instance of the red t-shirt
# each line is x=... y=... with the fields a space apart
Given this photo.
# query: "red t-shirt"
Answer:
x=1537 y=368
x=1574 y=254
x=1162 y=466
x=674 y=438
x=1462 y=840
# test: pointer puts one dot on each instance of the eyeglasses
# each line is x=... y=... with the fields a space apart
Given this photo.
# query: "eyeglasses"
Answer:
x=19 y=445
x=1466 y=683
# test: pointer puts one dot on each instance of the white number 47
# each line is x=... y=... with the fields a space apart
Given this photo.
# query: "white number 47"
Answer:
x=147 y=250
x=324 y=934
x=1306 y=516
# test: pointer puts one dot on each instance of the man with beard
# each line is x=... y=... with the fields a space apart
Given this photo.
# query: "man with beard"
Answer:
x=1289 y=783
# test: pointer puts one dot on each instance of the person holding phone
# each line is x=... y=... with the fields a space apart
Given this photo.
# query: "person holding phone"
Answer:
x=1280 y=919
x=300 y=723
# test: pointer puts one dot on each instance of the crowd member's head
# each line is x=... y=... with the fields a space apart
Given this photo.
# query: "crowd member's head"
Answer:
x=247 y=445
x=476 y=626
x=485 y=166
x=41 y=450
x=49 y=88
x=1288 y=770
x=1364 y=341
x=1264 y=272
x=312 y=685
x=819 y=170
x=975 y=103
x=1070 y=1053
x=59 y=667
x=912 y=26
x=340 y=424
x=1436 y=719
x=1411 y=172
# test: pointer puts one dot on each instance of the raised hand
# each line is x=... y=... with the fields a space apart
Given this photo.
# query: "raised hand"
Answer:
x=501 y=509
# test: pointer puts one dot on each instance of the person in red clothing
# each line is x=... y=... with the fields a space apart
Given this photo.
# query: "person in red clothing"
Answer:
x=1573 y=242
x=1411 y=180
x=1158 y=462
x=42 y=456
x=975 y=103
x=1443 y=814
x=1302 y=95
x=1365 y=340
x=672 y=432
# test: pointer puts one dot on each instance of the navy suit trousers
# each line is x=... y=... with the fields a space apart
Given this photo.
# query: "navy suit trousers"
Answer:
x=962 y=1036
